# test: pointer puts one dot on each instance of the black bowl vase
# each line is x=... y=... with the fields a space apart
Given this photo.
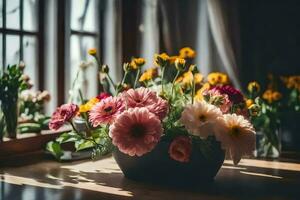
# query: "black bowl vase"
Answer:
x=158 y=167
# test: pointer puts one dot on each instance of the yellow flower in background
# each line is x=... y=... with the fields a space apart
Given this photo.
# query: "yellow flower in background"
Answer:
x=180 y=64
x=139 y=61
x=161 y=59
x=199 y=93
x=249 y=102
x=271 y=96
x=276 y=96
x=253 y=87
x=149 y=74
x=187 y=52
x=88 y=106
x=217 y=78
x=292 y=82
x=92 y=51
x=172 y=59
x=198 y=78
x=187 y=79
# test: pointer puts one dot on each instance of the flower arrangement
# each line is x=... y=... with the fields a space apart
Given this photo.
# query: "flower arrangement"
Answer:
x=181 y=108
x=265 y=108
x=31 y=107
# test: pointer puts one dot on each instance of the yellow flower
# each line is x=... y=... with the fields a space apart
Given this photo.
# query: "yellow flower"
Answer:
x=180 y=64
x=249 y=102
x=271 y=96
x=149 y=74
x=139 y=61
x=92 y=51
x=161 y=59
x=217 y=78
x=199 y=93
x=187 y=79
x=187 y=52
x=292 y=82
x=198 y=78
x=88 y=106
x=172 y=59
x=276 y=96
x=253 y=87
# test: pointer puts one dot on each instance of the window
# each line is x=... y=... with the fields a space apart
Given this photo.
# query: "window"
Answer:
x=20 y=34
x=84 y=34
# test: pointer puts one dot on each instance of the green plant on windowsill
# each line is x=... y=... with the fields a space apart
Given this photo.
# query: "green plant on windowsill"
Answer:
x=2 y=125
x=12 y=82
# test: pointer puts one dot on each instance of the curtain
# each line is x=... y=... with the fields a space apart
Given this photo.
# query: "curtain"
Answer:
x=167 y=26
x=218 y=25
x=112 y=55
x=149 y=31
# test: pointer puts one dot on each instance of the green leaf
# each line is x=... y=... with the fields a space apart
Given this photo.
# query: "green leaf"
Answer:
x=55 y=149
x=68 y=137
x=83 y=144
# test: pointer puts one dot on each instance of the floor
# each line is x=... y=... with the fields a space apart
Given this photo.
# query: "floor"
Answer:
x=102 y=179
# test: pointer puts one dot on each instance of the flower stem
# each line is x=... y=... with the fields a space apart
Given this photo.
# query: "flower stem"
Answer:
x=177 y=74
x=124 y=78
x=73 y=126
x=193 y=89
x=111 y=81
x=137 y=77
x=162 y=78
x=81 y=96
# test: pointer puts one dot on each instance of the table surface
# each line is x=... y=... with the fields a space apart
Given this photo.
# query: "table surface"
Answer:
x=102 y=179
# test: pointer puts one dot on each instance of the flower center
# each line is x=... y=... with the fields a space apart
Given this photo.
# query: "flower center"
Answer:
x=235 y=131
x=137 y=130
x=202 y=118
x=108 y=109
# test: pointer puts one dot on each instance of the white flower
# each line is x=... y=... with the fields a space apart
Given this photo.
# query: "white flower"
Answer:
x=201 y=118
x=236 y=135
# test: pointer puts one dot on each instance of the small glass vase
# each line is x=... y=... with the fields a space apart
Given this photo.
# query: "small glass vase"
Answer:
x=10 y=112
x=268 y=144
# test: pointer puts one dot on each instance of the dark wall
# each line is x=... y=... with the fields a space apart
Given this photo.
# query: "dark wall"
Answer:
x=270 y=38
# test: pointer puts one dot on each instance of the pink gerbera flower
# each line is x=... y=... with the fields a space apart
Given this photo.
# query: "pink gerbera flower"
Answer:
x=106 y=111
x=145 y=98
x=136 y=131
x=62 y=114
x=181 y=148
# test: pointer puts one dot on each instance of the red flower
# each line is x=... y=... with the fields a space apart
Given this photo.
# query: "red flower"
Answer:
x=63 y=114
x=181 y=148
x=103 y=95
x=234 y=95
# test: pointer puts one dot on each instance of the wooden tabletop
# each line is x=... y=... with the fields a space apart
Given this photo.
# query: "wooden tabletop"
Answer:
x=102 y=179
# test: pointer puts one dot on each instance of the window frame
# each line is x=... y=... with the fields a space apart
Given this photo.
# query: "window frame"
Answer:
x=39 y=34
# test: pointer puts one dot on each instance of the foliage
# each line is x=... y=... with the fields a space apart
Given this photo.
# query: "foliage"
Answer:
x=11 y=84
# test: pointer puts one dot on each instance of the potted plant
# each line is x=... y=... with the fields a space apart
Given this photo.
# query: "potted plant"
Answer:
x=12 y=82
x=161 y=130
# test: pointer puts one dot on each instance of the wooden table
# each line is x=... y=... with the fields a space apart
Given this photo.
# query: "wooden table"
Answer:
x=102 y=179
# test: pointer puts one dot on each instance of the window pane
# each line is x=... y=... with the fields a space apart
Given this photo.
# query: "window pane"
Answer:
x=30 y=58
x=13 y=14
x=1 y=18
x=83 y=15
x=88 y=78
x=12 y=49
x=30 y=15
x=1 y=53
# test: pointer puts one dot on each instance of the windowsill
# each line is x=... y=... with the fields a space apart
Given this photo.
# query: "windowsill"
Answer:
x=27 y=143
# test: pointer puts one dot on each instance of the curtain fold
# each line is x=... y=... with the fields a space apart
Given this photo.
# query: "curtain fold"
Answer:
x=113 y=38
x=217 y=19
x=149 y=31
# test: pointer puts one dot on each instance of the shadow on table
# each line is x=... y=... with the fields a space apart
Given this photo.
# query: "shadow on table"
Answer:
x=53 y=181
